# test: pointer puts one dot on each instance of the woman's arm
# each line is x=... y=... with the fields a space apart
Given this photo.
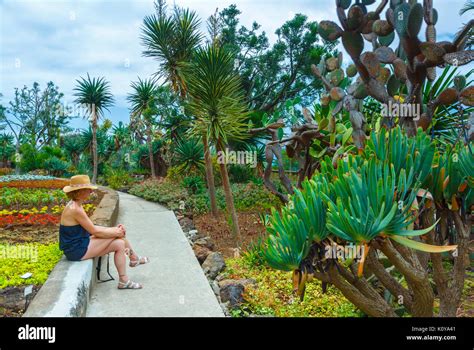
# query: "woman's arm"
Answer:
x=98 y=231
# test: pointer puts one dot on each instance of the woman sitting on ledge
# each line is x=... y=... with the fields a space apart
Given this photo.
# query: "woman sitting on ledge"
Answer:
x=80 y=239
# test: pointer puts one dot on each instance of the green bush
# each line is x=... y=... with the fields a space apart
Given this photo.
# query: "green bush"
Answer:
x=117 y=178
x=55 y=166
x=31 y=159
x=240 y=173
x=39 y=259
x=166 y=192
x=194 y=184
x=254 y=254
x=246 y=196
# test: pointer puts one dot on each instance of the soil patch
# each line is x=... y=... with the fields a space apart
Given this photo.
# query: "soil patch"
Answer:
x=251 y=228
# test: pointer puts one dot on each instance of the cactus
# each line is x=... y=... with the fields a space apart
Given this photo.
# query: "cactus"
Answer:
x=433 y=52
x=385 y=54
x=459 y=82
x=387 y=40
x=336 y=94
x=371 y=62
x=353 y=43
x=336 y=76
x=351 y=71
x=447 y=97
x=393 y=85
x=344 y=4
x=415 y=19
x=466 y=97
x=384 y=75
x=382 y=27
x=355 y=17
x=401 y=14
x=329 y=30
x=412 y=63
x=332 y=63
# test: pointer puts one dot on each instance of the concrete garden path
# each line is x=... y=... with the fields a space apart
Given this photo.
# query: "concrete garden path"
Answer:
x=174 y=283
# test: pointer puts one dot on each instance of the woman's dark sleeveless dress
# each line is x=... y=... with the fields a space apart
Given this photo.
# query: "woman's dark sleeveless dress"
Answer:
x=73 y=241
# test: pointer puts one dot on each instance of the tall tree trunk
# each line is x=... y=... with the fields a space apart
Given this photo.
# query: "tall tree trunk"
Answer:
x=95 y=159
x=210 y=176
x=149 y=142
x=230 y=201
x=17 y=157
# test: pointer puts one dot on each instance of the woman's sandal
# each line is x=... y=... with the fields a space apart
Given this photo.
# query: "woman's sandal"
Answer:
x=129 y=285
x=140 y=261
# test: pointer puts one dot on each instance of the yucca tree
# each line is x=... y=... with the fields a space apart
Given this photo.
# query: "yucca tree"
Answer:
x=216 y=100
x=94 y=93
x=376 y=200
x=172 y=40
x=143 y=109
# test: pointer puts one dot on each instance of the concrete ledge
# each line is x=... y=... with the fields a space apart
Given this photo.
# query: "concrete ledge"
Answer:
x=66 y=292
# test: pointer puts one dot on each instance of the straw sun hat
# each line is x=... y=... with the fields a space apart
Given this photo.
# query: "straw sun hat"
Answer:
x=79 y=182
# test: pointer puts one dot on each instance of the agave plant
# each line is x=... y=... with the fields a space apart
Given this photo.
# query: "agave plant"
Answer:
x=371 y=199
x=190 y=155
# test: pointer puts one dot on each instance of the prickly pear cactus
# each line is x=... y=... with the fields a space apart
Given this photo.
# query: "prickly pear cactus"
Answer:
x=412 y=62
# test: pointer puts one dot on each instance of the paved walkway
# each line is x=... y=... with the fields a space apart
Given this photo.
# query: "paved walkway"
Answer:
x=174 y=284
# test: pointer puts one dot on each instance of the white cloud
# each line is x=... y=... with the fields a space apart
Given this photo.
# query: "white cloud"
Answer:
x=102 y=34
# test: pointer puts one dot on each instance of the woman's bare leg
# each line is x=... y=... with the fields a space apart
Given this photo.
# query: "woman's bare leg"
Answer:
x=101 y=246
x=131 y=253
x=96 y=247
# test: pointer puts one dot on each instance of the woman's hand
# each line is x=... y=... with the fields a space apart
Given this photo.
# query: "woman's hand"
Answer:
x=122 y=227
x=119 y=232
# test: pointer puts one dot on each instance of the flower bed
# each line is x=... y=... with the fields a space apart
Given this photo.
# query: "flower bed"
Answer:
x=32 y=181
x=56 y=209
x=29 y=217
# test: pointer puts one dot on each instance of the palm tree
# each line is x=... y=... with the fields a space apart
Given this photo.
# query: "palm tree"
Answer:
x=95 y=94
x=172 y=40
x=217 y=101
x=143 y=107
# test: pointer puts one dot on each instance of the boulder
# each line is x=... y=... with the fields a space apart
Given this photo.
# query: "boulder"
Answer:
x=205 y=242
x=231 y=291
x=213 y=265
x=201 y=252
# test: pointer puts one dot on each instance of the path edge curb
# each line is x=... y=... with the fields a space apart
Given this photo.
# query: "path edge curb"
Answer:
x=66 y=292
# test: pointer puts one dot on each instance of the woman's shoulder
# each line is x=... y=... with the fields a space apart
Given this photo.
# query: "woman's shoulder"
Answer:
x=70 y=212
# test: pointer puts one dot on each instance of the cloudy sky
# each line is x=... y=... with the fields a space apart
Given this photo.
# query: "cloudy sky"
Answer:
x=62 y=40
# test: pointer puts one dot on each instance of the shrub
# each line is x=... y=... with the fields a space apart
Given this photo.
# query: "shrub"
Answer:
x=118 y=178
x=241 y=173
x=254 y=254
x=246 y=196
x=194 y=184
x=56 y=166
x=163 y=192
